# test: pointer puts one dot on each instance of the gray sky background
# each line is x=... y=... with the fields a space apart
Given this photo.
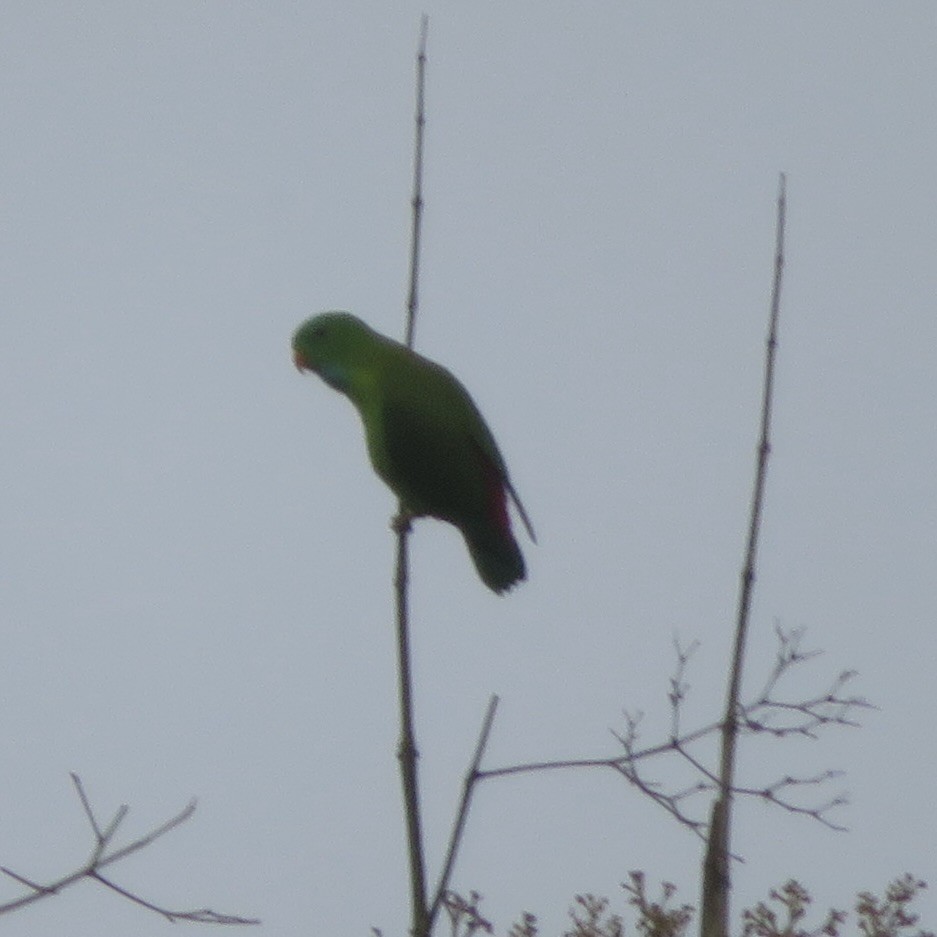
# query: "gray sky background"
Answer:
x=196 y=560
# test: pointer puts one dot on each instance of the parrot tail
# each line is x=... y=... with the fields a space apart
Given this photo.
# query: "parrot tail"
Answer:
x=497 y=557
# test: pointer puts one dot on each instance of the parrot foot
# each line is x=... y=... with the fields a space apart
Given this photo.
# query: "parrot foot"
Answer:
x=401 y=523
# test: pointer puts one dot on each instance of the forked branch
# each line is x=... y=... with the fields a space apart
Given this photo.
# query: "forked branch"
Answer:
x=104 y=854
x=767 y=713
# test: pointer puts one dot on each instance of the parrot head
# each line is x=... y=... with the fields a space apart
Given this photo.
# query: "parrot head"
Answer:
x=332 y=344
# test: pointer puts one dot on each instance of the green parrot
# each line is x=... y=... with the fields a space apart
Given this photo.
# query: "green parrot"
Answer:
x=425 y=437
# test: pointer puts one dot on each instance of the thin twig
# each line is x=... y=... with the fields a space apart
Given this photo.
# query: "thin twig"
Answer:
x=198 y=916
x=86 y=806
x=678 y=684
x=150 y=837
x=468 y=788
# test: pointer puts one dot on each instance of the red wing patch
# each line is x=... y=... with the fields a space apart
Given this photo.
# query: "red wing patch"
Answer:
x=496 y=504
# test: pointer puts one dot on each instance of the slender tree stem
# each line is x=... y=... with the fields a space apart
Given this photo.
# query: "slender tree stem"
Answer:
x=407 y=751
x=714 y=917
x=416 y=230
x=472 y=776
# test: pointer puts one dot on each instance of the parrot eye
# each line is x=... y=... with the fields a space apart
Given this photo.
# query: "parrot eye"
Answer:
x=319 y=331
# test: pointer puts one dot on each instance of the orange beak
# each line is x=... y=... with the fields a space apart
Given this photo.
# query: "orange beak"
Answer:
x=300 y=362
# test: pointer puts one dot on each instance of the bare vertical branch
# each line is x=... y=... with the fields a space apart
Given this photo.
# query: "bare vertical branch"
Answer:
x=407 y=751
x=714 y=917
x=416 y=230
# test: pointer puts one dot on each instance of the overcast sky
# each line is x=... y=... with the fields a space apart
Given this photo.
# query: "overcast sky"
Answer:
x=196 y=566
